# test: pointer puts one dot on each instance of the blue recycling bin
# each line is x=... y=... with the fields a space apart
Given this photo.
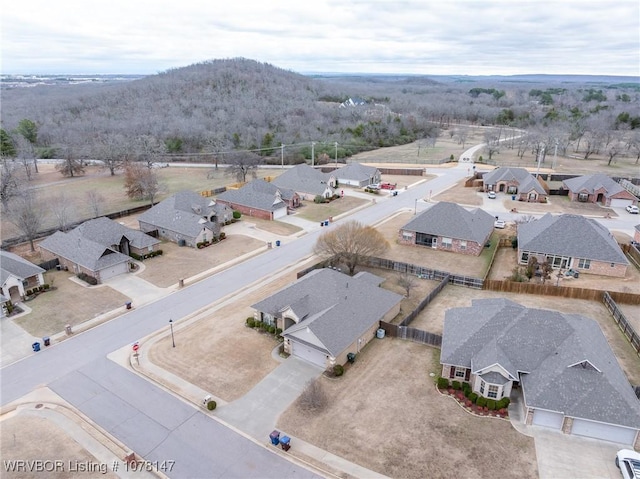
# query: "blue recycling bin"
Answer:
x=286 y=442
x=326 y=223
x=277 y=242
x=275 y=437
x=35 y=346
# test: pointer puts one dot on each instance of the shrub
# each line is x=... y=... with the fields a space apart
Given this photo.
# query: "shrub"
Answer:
x=264 y=326
x=87 y=279
x=135 y=256
x=473 y=397
x=211 y=405
x=251 y=322
x=214 y=239
x=338 y=370
x=159 y=252
x=278 y=331
x=46 y=286
x=467 y=392
x=28 y=292
x=258 y=324
x=443 y=383
x=503 y=403
x=451 y=157
x=313 y=397
x=272 y=329
x=466 y=387
x=223 y=235
x=482 y=401
x=456 y=385
x=236 y=215
x=319 y=199
x=491 y=404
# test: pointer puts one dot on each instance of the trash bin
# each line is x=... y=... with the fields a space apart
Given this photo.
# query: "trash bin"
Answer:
x=513 y=197
x=576 y=275
x=326 y=222
x=322 y=223
x=380 y=333
x=128 y=304
x=286 y=442
x=67 y=329
x=269 y=245
x=46 y=341
x=275 y=437
x=35 y=346
x=351 y=357
x=277 y=242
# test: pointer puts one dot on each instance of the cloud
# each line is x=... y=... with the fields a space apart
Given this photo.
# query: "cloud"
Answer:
x=461 y=37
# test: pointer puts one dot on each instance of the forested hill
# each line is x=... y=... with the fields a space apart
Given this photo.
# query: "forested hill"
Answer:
x=240 y=104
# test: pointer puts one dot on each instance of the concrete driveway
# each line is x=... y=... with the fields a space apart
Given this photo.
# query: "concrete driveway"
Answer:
x=256 y=412
x=139 y=290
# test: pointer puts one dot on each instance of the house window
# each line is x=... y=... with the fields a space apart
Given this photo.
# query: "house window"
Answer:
x=584 y=263
x=463 y=245
x=407 y=235
x=482 y=383
x=493 y=391
x=460 y=372
x=446 y=243
x=524 y=258
x=583 y=197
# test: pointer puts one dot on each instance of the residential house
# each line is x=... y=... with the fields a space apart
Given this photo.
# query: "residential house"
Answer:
x=636 y=233
x=517 y=182
x=449 y=227
x=352 y=102
x=571 y=242
x=17 y=275
x=100 y=248
x=307 y=182
x=327 y=314
x=357 y=174
x=261 y=199
x=569 y=377
x=185 y=218
x=598 y=188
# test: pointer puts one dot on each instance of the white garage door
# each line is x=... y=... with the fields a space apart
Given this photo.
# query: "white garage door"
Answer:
x=606 y=432
x=620 y=203
x=309 y=354
x=547 y=419
x=279 y=213
x=107 y=273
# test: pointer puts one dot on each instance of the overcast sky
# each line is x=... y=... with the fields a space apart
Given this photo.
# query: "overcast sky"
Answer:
x=437 y=37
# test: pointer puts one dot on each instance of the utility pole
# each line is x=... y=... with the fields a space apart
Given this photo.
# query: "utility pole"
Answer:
x=282 y=155
x=555 y=156
x=336 y=145
x=313 y=144
x=540 y=154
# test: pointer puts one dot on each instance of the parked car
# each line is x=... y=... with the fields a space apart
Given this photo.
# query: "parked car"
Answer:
x=387 y=186
x=500 y=224
x=628 y=462
x=633 y=209
x=373 y=186
x=492 y=195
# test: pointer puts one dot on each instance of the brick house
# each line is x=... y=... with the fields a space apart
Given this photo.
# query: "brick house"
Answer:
x=261 y=199
x=598 y=188
x=185 y=217
x=571 y=242
x=17 y=275
x=569 y=376
x=449 y=227
x=517 y=182
x=307 y=182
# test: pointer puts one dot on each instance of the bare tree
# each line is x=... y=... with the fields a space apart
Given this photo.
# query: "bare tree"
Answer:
x=242 y=164
x=25 y=154
x=95 y=201
x=63 y=209
x=111 y=151
x=141 y=182
x=313 y=397
x=10 y=182
x=148 y=149
x=351 y=243
x=407 y=282
x=71 y=166
x=461 y=135
x=25 y=212
x=29 y=131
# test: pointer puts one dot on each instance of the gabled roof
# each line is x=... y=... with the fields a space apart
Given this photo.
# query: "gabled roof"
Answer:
x=453 y=221
x=108 y=232
x=303 y=178
x=550 y=349
x=183 y=213
x=13 y=265
x=570 y=235
x=260 y=195
x=335 y=307
x=526 y=181
x=83 y=251
x=356 y=171
x=590 y=183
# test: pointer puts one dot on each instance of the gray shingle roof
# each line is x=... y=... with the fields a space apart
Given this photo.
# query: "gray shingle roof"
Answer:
x=526 y=181
x=182 y=213
x=570 y=235
x=335 y=307
x=453 y=221
x=303 y=178
x=590 y=183
x=566 y=360
x=357 y=172
x=13 y=265
x=108 y=232
x=83 y=251
x=258 y=194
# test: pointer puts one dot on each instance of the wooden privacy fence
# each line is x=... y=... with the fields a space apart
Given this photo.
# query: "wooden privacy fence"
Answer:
x=411 y=334
x=621 y=321
x=423 y=304
x=550 y=289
